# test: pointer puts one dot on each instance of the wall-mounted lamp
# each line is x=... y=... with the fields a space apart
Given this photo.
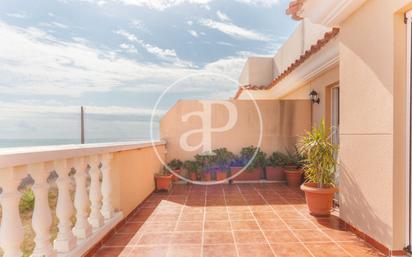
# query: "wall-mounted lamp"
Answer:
x=314 y=97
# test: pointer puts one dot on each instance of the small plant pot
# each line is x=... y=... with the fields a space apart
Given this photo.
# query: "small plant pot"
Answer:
x=319 y=200
x=221 y=175
x=294 y=178
x=176 y=178
x=275 y=173
x=207 y=176
x=163 y=183
x=246 y=175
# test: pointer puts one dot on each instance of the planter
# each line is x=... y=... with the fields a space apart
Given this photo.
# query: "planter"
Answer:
x=206 y=176
x=193 y=176
x=246 y=175
x=175 y=178
x=163 y=182
x=275 y=173
x=319 y=200
x=294 y=177
x=221 y=175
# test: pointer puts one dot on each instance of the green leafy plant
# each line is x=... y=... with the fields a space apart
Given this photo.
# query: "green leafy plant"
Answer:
x=206 y=160
x=277 y=159
x=192 y=167
x=248 y=153
x=319 y=152
x=27 y=201
x=294 y=158
x=175 y=164
x=163 y=172
x=223 y=158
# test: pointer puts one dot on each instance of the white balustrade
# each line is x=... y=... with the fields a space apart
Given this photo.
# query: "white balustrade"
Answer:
x=41 y=220
x=107 y=208
x=39 y=162
x=11 y=228
x=96 y=218
x=65 y=240
x=82 y=228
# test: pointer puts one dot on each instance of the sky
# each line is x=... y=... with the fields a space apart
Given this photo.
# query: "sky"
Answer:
x=116 y=57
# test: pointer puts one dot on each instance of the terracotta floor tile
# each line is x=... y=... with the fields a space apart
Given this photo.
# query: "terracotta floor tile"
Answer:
x=213 y=208
x=218 y=238
x=189 y=226
x=148 y=251
x=121 y=240
x=191 y=217
x=311 y=235
x=186 y=238
x=228 y=250
x=249 y=237
x=238 y=208
x=155 y=239
x=113 y=251
x=130 y=228
x=217 y=226
x=241 y=215
x=274 y=224
x=260 y=208
x=244 y=225
x=192 y=209
x=339 y=235
x=216 y=216
x=300 y=224
x=265 y=215
x=280 y=236
x=158 y=227
x=359 y=249
x=326 y=250
x=255 y=250
x=290 y=215
x=290 y=250
x=184 y=251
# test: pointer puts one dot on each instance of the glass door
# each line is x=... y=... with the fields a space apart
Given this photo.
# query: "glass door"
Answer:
x=335 y=120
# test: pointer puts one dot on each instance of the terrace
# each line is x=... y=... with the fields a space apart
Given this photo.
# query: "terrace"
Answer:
x=119 y=215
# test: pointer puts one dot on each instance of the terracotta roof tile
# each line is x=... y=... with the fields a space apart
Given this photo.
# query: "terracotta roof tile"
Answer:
x=294 y=9
x=308 y=53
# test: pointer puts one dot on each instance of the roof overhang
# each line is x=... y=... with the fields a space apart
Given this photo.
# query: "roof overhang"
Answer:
x=326 y=12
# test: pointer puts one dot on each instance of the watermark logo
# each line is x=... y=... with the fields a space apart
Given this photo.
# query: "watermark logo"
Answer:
x=206 y=130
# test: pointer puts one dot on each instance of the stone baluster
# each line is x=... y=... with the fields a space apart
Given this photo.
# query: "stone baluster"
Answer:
x=107 y=208
x=82 y=228
x=96 y=218
x=11 y=228
x=41 y=220
x=65 y=240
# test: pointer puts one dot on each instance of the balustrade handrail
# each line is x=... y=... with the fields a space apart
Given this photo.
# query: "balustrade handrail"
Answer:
x=27 y=155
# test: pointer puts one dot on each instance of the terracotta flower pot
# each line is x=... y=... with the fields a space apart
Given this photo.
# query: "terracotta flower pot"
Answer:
x=221 y=175
x=163 y=182
x=175 y=178
x=294 y=177
x=275 y=173
x=246 y=175
x=193 y=176
x=206 y=176
x=319 y=200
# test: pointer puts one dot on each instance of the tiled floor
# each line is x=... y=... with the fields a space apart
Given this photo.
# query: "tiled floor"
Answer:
x=256 y=220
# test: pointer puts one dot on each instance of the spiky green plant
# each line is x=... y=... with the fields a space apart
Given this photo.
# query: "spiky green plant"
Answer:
x=319 y=155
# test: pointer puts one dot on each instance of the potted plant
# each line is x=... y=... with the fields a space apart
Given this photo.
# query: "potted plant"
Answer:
x=293 y=169
x=223 y=158
x=206 y=162
x=176 y=166
x=319 y=167
x=274 y=166
x=253 y=163
x=163 y=180
x=193 y=169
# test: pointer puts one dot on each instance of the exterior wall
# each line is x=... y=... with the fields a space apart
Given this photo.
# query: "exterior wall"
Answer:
x=283 y=122
x=372 y=86
x=132 y=176
x=257 y=71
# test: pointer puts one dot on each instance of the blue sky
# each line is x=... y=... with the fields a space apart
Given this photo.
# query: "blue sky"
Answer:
x=117 y=56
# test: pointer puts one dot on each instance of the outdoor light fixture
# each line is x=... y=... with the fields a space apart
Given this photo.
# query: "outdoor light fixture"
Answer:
x=314 y=97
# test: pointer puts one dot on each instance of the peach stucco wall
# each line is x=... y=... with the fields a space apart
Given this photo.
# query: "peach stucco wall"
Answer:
x=372 y=87
x=132 y=174
x=283 y=122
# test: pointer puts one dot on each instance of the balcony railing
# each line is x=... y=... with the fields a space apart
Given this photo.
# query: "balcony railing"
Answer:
x=87 y=169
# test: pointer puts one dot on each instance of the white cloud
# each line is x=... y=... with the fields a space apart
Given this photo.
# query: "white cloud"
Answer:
x=234 y=30
x=222 y=16
x=264 y=3
x=193 y=33
x=128 y=48
x=162 y=5
x=162 y=53
x=18 y=15
x=190 y=23
x=53 y=24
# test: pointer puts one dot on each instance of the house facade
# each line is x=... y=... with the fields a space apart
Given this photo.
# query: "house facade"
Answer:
x=359 y=68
